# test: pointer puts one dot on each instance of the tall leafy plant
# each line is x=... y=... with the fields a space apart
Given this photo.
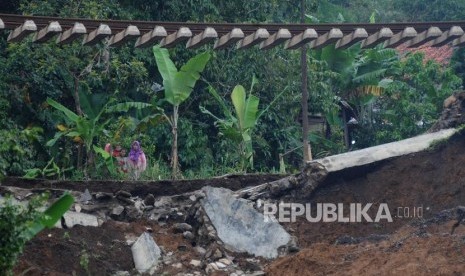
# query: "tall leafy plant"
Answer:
x=360 y=78
x=412 y=102
x=86 y=128
x=238 y=127
x=178 y=86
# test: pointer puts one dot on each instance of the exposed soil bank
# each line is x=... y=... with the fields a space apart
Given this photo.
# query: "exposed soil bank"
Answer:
x=142 y=188
x=433 y=179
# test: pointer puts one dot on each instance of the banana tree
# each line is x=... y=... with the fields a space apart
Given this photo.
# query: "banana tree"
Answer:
x=361 y=77
x=239 y=127
x=178 y=86
x=82 y=129
x=86 y=128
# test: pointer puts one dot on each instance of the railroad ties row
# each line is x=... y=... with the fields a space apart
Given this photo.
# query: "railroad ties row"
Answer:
x=261 y=36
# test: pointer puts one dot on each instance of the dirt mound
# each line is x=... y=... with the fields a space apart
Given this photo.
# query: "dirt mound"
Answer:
x=426 y=249
x=433 y=180
x=410 y=245
x=99 y=250
x=77 y=251
x=435 y=255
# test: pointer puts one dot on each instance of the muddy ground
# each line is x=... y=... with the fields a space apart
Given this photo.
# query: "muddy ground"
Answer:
x=433 y=180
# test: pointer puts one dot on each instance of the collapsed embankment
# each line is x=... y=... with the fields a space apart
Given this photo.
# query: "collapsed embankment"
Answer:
x=430 y=244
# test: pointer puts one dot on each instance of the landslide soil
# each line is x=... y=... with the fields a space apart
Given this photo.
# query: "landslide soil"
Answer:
x=433 y=179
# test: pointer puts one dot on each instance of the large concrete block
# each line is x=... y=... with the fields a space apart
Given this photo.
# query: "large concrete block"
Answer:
x=240 y=226
x=73 y=218
x=146 y=253
x=374 y=154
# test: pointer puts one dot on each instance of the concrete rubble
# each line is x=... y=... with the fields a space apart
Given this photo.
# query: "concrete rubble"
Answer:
x=70 y=219
x=240 y=227
x=146 y=254
x=374 y=154
x=85 y=197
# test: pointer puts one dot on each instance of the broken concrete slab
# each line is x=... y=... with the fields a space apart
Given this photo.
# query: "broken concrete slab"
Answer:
x=71 y=219
x=86 y=196
x=373 y=154
x=146 y=253
x=188 y=235
x=116 y=212
x=182 y=227
x=240 y=227
x=139 y=204
x=133 y=213
x=200 y=250
x=121 y=273
x=195 y=263
x=300 y=185
x=163 y=201
x=103 y=196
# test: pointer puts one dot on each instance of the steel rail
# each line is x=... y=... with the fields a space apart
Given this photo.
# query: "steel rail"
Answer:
x=12 y=21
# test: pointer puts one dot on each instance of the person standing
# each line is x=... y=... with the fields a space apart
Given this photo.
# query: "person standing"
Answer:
x=137 y=161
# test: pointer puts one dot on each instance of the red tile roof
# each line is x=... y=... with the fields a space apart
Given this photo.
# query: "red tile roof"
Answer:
x=441 y=55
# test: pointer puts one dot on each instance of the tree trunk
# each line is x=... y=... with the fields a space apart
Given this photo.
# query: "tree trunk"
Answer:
x=79 y=156
x=346 y=128
x=77 y=101
x=77 y=105
x=174 y=147
x=89 y=162
x=304 y=103
x=300 y=185
x=327 y=130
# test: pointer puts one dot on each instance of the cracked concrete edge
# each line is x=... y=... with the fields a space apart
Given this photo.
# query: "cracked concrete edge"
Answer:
x=370 y=155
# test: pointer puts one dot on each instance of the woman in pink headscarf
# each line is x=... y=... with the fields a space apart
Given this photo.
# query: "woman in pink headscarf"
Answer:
x=136 y=160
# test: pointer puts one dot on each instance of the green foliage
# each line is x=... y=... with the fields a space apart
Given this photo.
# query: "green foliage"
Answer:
x=84 y=261
x=14 y=221
x=323 y=146
x=431 y=10
x=178 y=86
x=108 y=161
x=19 y=223
x=411 y=103
x=30 y=73
x=88 y=128
x=389 y=10
x=355 y=77
x=52 y=71
x=458 y=63
x=84 y=129
x=195 y=152
x=18 y=149
x=50 y=170
x=239 y=127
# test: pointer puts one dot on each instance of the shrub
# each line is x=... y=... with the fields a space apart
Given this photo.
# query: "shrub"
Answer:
x=21 y=222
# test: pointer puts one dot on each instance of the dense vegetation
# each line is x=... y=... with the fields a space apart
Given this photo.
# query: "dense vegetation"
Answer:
x=116 y=94
x=19 y=223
